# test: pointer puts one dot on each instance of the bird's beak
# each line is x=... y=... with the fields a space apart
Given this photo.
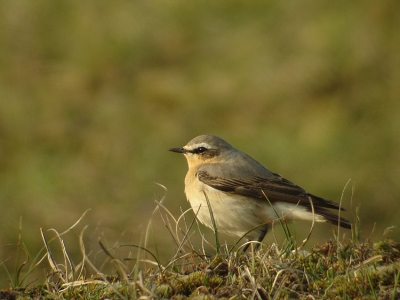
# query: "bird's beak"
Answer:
x=178 y=150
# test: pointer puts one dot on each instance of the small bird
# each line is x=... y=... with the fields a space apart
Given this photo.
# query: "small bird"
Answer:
x=243 y=194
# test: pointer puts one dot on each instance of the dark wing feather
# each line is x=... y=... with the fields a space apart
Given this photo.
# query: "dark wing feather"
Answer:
x=276 y=189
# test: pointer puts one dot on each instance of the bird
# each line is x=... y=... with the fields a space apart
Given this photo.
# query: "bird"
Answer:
x=245 y=197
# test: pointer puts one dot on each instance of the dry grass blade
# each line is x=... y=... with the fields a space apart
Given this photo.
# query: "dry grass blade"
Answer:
x=388 y=230
x=311 y=229
x=66 y=231
x=253 y=283
x=152 y=214
x=83 y=282
x=66 y=256
x=175 y=259
x=374 y=259
x=85 y=258
x=141 y=285
x=123 y=272
x=122 y=269
x=76 y=223
x=68 y=259
x=51 y=260
x=340 y=205
x=278 y=274
x=175 y=235
x=183 y=216
x=167 y=224
x=244 y=236
x=120 y=266
x=186 y=233
x=157 y=262
x=108 y=253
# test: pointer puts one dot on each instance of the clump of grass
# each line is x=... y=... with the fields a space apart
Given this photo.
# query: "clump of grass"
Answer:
x=18 y=278
x=341 y=269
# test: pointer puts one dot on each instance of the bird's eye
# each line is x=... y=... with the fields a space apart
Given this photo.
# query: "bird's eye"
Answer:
x=200 y=150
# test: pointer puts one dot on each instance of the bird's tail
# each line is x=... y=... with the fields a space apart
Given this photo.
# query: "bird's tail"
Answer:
x=332 y=218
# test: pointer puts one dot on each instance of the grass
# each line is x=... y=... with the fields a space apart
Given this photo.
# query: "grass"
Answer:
x=93 y=94
x=339 y=269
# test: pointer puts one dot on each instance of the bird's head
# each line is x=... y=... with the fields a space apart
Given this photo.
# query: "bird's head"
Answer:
x=205 y=149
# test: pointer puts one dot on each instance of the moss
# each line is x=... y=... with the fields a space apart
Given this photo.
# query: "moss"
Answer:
x=388 y=249
x=164 y=291
x=186 y=284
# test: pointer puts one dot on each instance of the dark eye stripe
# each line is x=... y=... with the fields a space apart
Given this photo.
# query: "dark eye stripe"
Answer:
x=200 y=150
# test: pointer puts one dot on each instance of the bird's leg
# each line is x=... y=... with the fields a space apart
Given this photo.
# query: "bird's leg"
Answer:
x=259 y=240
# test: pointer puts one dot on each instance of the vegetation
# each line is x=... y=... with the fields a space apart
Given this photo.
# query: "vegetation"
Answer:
x=339 y=269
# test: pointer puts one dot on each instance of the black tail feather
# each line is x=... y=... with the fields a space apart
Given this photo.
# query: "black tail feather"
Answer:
x=333 y=218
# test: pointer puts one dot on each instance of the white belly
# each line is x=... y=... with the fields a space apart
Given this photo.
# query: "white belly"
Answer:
x=236 y=215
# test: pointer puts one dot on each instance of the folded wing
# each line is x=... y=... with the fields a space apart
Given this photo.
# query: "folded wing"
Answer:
x=275 y=188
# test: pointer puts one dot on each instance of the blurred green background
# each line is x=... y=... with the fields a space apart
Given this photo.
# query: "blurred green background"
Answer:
x=93 y=93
